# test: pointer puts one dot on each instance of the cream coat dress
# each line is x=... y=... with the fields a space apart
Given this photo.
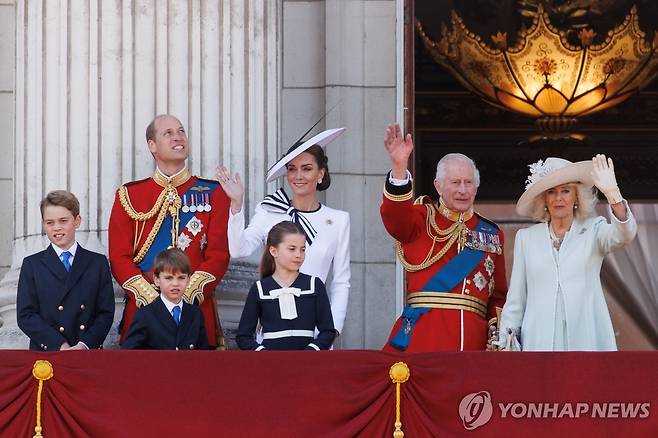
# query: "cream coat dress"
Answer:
x=546 y=290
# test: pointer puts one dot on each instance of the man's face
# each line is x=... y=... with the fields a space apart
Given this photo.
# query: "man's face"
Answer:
x=170 y=144
x=457 y=189
x=60 y=225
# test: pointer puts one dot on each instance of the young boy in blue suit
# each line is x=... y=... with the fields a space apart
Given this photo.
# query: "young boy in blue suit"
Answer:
x=65 y=299
x=169 y=323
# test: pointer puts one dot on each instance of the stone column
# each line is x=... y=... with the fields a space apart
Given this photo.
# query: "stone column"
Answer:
x=91 y=74
x=346 y=54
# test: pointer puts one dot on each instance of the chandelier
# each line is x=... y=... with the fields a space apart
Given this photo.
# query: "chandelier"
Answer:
x=545 y=76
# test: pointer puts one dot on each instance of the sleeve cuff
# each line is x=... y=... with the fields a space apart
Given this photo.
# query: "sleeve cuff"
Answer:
x=194 y=290
x=143 y=291
x=398 y=193
x=397 y=181
x=614 y=217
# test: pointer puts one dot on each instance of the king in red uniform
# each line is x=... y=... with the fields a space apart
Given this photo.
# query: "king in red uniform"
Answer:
x=453 y=257
x=170 y=209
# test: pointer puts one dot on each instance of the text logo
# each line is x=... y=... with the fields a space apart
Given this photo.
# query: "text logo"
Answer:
x=475 y=409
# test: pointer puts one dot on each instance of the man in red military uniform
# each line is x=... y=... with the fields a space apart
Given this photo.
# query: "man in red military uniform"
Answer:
x=170 y=209
x=453 y=257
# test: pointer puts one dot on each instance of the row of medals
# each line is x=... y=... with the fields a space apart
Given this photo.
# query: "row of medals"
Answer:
x=195 y=206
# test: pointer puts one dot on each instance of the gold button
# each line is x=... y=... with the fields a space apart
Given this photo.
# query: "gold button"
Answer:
x=60 y=308
x=45 y=347
x=61 y=329
x=467 y=291
x=191 y=346
x=82 y=326
x=468 y=281
x=176 y=348
x=82 y=307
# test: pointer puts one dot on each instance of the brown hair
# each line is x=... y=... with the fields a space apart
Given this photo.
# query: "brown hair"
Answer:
x=172 y=260
x=61 y=198
x=274 y=238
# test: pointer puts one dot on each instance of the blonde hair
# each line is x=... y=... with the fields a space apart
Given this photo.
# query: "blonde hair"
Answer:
x=585 y=199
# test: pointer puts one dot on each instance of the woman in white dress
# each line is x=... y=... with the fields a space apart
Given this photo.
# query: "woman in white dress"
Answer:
x=327 y=229
x=555 y=301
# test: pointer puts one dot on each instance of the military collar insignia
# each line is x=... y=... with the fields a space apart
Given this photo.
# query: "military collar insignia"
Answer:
x=175 y=180
x=454 y=215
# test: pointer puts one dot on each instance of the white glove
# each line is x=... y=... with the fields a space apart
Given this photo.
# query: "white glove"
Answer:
x=604 y=178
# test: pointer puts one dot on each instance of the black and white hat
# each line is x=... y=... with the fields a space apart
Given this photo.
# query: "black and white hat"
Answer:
x=322 y=139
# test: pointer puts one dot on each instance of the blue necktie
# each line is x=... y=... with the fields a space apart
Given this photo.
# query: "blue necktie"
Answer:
x=65 y=260
x=175 y=312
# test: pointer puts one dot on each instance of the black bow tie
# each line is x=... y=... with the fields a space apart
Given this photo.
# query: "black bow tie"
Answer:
x=279 y=201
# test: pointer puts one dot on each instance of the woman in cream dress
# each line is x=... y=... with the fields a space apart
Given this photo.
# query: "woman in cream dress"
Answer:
x=555 y=300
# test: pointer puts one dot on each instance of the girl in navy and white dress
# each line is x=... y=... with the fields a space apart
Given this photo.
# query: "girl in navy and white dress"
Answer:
x=289 y=305
x=327 y=229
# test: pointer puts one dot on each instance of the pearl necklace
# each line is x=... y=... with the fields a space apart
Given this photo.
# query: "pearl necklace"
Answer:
x=556 y=241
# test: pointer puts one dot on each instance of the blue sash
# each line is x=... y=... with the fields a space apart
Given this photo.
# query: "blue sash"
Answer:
x=449 y=276
x=453 y=272
x=162 y=239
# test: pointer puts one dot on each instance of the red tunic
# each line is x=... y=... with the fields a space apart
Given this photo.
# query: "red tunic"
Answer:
x=443 y=329
x=206 y=247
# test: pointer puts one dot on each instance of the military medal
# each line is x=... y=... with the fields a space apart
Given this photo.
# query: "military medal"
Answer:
x=194 y=226
x=193 y=207
x=183 y=241
x=185 y=208
x=207 y=206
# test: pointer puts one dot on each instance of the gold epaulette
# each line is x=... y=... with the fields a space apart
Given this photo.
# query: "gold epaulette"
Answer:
x=144 y=291
x=424 y=199
x=194 y=290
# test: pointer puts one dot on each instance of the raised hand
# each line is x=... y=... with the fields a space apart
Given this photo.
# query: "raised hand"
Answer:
x=603 y=174
x=399 y=149
x=233 y=187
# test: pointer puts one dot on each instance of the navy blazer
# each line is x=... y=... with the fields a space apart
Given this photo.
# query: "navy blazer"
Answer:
x=54 y=306
x=154 y=328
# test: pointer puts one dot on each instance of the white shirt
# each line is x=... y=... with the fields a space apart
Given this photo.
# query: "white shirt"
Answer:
x=72 y=250
x=331 y=247
x=170 y=306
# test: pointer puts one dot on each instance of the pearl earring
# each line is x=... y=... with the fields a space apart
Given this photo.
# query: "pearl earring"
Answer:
x=575 y=206
x=320 y=181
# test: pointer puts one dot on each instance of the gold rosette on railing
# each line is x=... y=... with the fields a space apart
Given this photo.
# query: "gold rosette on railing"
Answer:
x=42 y=371
x=399 y=373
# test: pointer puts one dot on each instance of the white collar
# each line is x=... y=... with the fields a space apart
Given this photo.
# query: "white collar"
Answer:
x=59 y=250
x=169 y=305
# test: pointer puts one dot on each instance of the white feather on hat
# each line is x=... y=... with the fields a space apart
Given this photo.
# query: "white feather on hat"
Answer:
x=551 y=173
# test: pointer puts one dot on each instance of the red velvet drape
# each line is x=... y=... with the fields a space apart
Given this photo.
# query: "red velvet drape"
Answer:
x=326 y=394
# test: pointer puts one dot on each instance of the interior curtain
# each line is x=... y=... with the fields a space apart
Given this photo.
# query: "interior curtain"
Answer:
x=630 y=274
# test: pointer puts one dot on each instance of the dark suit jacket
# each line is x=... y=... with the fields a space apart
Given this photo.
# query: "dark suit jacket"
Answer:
x=154 y=328
x=54 y=306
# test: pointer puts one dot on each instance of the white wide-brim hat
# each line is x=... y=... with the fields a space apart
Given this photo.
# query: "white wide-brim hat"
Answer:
x=322 y=139
x=551 y=173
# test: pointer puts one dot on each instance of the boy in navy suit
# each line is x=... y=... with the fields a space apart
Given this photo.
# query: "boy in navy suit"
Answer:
x=65 y=299
x=169 y=323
